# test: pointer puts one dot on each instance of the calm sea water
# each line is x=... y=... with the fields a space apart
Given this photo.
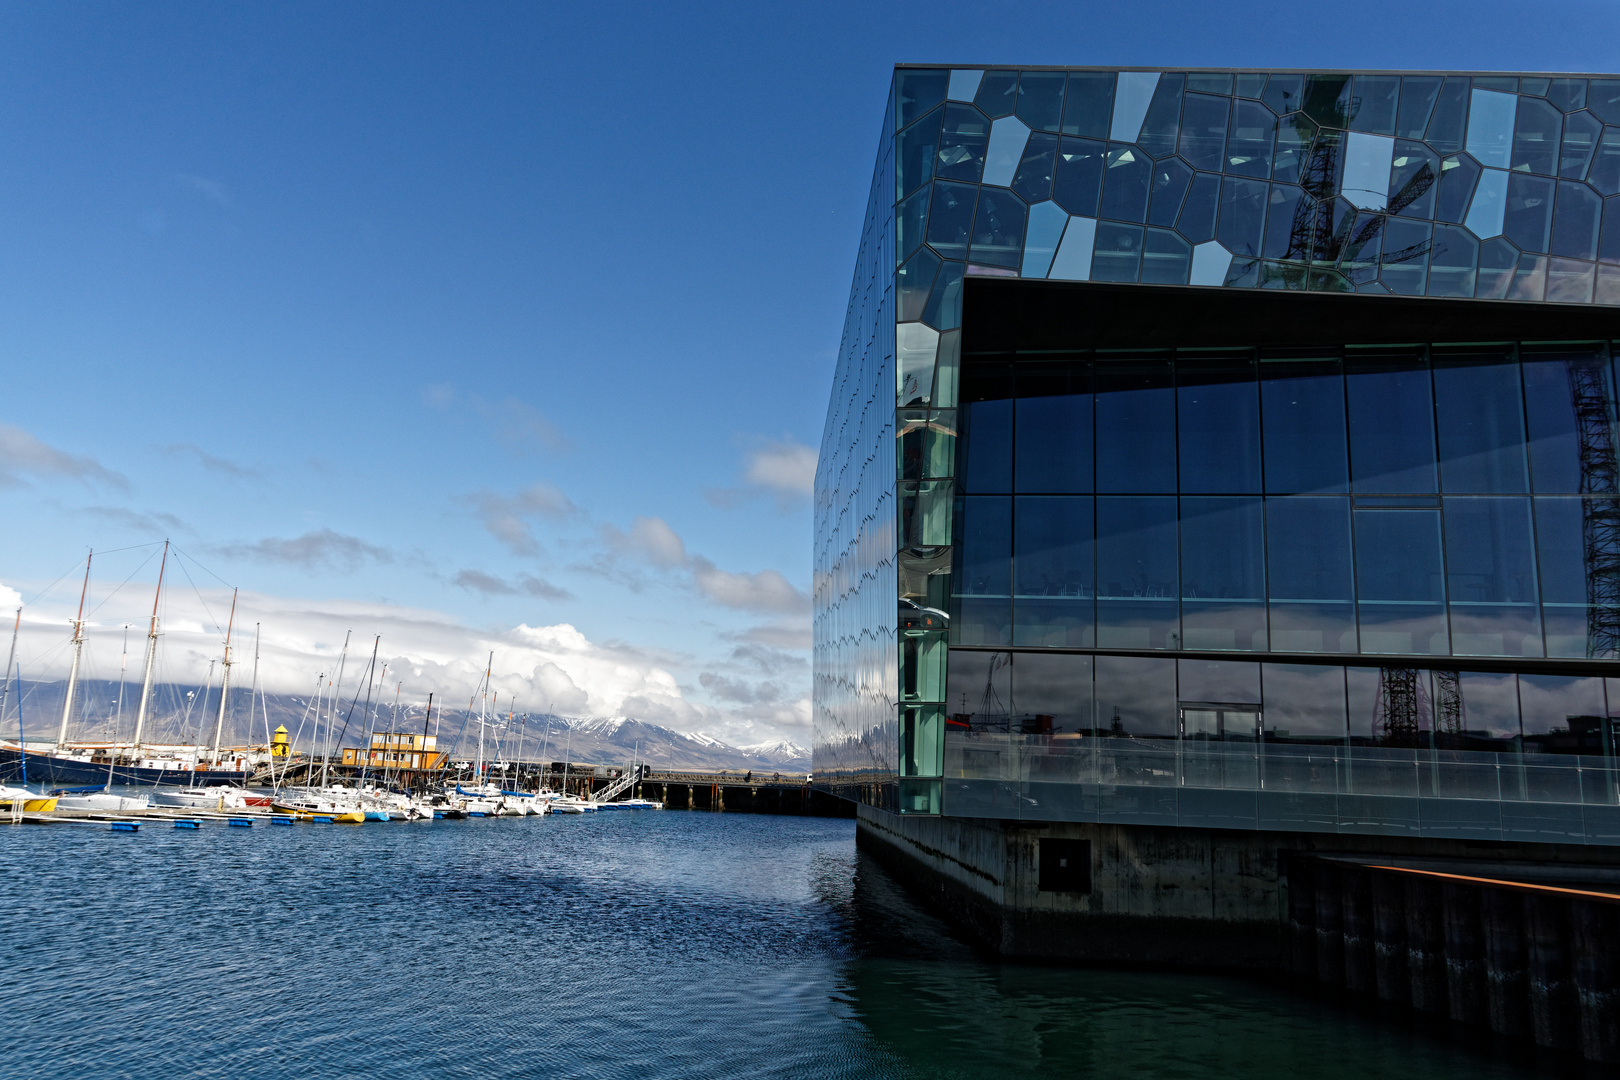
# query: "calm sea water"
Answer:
x=651 y=944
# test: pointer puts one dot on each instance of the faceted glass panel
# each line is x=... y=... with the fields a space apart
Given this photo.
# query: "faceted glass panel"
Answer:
x=1286 y=207
x=1203 y=131
x=1553 y=377
x=1242 y=216
x=1033 y=180
x=1136 y=696
x=1581 y=134
x=1605 y=171
x=1378 y=97
x=915 y=150
x=1008 y=137
x=1079 y=176
x=1575 y=222
x=1117 y=255
x=1294 y=136
x=1163 y=118
x=1418 y=94
x=1166 y=258
x=998 y=93
x=1452 y=262
x=950 y=219
x=1407 y=245
x=910 y=218
x=1250 y=139
x=1197 y=221
x=1535 y=137
x=913 y=282
x=916 y=91
x=1040 y=99
x=1458 y=175
x=1304 y=703
x=1448 y=119
x=1088 y=105
x=1414 y=181
x=1604 y=100
x=983 y=576
x=1055 y=687
x=944 y=310
x=962 y=144
x=1567 y=94
x=1169 y=189
x=1490 y=127
x=998 y=228
x=1126 y=182
x=1133 y=94
x=1528 y=220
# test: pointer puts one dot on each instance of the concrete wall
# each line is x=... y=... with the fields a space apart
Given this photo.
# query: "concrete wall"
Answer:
x=1160 y=896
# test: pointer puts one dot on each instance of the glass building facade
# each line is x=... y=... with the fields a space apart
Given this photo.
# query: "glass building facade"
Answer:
x=1252 y=438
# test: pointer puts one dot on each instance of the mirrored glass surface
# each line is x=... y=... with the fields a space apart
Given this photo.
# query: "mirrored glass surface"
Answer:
x=998 y=228
x=1169 y=189
x=1581 y=133
x=1528 y=217
x=1088 y=104
x=1576 y=219
x=998 y=93
x=950 y=219
x=1166 y=258
x=1117 y=254
x=1555 y=379
x=1391 y=421
x=916 y=91
x=1302 y=401
x=1491 y=577
x=1218 y=418
x=1223 y=592
x=1054 y=591
x=962 y=143
x=1137 y=589
x=1448 y=119
x=1057 y=687
x=1304 y=703
x=1377 y=100
x=1400 y=583
x=1033 y=180
x=1311 y=585
x=1250 y=139
x=1054 y=427
x=1535 y=137
x=1481 y=423
x=1126 y=181
x=1040 y=99
x=1490 y=127
x=1242 y=216
x=915 y=150
x=1078 y=183
x=1136 y=696
x=982 y=579
x=1453 y=262
x=1136 y=424
x=1198 y=213
x=1414 y=180
x=1562 y=714
x=1565 y=572
x=1418 y=94
x=1203 y=131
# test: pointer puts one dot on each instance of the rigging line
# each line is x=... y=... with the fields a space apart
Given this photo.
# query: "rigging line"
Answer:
x=196 y=590
x=210 y=573
x=126 y=581
x=52 y=585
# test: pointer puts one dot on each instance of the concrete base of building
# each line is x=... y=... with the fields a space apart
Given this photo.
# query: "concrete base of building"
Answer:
x=1147 y=895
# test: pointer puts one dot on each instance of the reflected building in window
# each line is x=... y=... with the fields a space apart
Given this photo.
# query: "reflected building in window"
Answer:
x=1234 y=431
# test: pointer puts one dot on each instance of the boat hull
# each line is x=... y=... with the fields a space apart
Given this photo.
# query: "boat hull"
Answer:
x=53 y=771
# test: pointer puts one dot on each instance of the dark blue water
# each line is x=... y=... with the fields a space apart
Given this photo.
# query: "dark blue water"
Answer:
x=652 y=944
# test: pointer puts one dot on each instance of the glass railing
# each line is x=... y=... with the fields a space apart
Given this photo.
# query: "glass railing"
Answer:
x=1284 y=768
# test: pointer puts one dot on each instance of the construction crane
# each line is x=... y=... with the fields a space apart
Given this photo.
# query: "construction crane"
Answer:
x=1450 y=721
x=1402 y=701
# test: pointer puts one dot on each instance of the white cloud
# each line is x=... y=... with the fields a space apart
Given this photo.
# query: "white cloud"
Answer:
x=317 y=549
x=787 y=468
x=515 y=425
x=507 y=517
x=764 y=590
x=22 y=455
x=216 y=465
x=526 y=584
x=649 y=537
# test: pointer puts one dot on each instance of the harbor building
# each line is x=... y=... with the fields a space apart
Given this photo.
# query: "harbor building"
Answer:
x=1220 y=472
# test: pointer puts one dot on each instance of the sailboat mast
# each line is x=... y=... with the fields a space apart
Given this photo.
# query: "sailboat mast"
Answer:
x=225 y=680
x=151 y=658
x=78 y=653
x=331 y=715
x=483 y=711
x=5 y=695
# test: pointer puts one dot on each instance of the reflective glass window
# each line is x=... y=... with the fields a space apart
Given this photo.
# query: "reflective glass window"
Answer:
x=1453 y=261
x=1218 y=418
x=1581 y=133
x=1250 y=84
x=1418 y=93
x=1284 y=93
x=1079 y=176
x=1126 y=182
x=1391 y=421
x=1054 y=582
x=909 y=220
x=1235 y=681
x=1449 y=118
x=950 y=219
x=1197 y=221
x=1210 y=82
x=1242 y=217
x=1575 y=223
x=1169 y=187
x=1528 y=220
x=1535 y=137
x=1304 y=703
x=1309 y=576
x=1377 y=97
x=1117 y=255
x=1136 y=696
x=1605 y=171
x=986 y=446
x=914 y=153
x=1137 y=587
x=1490 y=712
x=1491 y=577
x=1604 y=99
x=1057 y=687
x=1567 y=94
x=1406 y=256
x=998 y=93
x=944 y=310
x=1400 y=585
x=1040 y=99
x=998 y=228
x=1458 y=175
x=1294 y=136
x=1553 y=377
x=1490 y=127
x=983 y=577
x=1223 y=592
x=1249 y=141
x=1054 y=451
x=1560 y=714
x=1327 y=100
x=916 y=91
x=1203 y=131
x=1163 y=117
x=1413 y=180
x=962 y=143
x=1302 y=405
x=1481 y=425
x=1034 y=177
x=1497 y=260
x=1283 y=210
x=927 y=443
x=1609 y=244
x=925 y=514
x=1563 y=562
x=922 y=735
x=913 y=282
x=1362 y=251
x=1089 y=104
x=1166 y=258
x=1136 y=425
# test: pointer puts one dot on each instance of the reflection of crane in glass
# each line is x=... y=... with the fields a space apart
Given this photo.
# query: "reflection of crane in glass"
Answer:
x=1402 y=700
x=1449 y=718
x=1600 y=507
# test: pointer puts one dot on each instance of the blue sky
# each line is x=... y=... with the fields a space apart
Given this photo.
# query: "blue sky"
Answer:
x=458 y=322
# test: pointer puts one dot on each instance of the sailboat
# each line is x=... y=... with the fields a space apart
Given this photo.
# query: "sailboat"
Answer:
x=136 y=762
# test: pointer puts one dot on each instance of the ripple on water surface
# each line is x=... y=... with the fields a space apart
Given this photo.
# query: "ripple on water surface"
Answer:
x=627 y=945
